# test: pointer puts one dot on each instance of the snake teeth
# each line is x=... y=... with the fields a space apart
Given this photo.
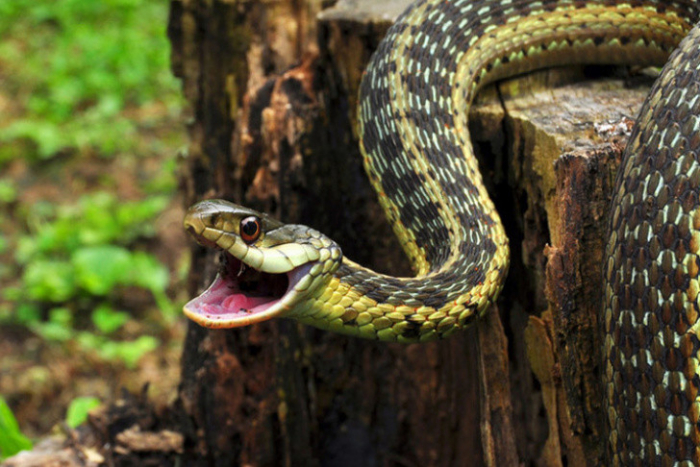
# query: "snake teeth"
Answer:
x=241 y=295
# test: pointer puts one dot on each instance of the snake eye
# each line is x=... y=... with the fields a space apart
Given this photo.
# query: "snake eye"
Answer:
x=250 y=229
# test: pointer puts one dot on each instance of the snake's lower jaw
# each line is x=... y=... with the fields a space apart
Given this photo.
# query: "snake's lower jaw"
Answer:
x=240 y=299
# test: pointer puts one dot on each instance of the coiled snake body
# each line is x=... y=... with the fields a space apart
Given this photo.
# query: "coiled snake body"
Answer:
x=414 y=137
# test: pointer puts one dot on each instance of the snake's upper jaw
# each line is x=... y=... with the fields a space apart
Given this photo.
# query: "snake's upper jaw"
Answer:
x=266 y=267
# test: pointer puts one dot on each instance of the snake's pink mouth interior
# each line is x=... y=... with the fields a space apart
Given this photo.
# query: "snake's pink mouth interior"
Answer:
x=238 y=293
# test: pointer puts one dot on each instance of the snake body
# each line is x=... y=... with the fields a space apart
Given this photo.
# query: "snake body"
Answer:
x=651 y=306
x=414 y=106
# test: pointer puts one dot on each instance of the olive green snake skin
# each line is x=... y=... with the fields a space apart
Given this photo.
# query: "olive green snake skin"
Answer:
x=414 y=104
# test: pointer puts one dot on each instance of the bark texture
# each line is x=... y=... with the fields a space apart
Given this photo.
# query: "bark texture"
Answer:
x=272 y=90
x=565 y=143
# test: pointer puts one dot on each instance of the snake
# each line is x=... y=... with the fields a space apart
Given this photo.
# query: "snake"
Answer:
x=414 y=137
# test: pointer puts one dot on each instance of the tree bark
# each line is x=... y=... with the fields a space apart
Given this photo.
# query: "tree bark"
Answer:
x=272 y=91
x=564 y=143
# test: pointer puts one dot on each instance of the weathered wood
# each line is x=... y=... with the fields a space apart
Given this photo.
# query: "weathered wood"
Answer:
x=562 y=154
x=277 y=136
x=319 y=398
x=230 y=406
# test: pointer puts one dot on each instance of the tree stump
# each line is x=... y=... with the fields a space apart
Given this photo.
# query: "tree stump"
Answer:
x=274 y=112
x=563 y=135
x=272 y=91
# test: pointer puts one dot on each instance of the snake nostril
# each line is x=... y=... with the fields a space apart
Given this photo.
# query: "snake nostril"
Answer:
x=193 y=224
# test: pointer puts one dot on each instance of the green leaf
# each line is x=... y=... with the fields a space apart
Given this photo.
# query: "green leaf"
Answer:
x=131 y=352
x=98 y=269
x=107 y=320
x=62 y=316
x=129 y=214
x=46 y=135
x=49 y=280
x=8 y=191
x=12 y=440
x=97 y=219
x=148 y=272
x=90 y=341
x=52 y=331
x=59 y=327
x=128 y=352
x=27 y=313
x=78 y=410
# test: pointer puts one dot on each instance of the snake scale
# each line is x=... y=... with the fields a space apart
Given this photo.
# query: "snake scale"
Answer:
x=414 y=104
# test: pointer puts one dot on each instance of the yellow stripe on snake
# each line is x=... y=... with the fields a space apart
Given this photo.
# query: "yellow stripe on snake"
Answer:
x=414 y=104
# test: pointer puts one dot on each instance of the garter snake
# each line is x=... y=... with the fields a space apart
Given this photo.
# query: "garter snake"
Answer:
x=413 y=132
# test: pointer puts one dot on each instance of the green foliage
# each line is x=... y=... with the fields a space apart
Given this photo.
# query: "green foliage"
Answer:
x=78 y=410
x=99 y=269
x=27 y=313
x=86 y=79
x=49 y=280
x=76 y=259
x=94 y=270
x=57 y=328
x=8 y=192
x=73 y=252
x=97 y=219
x=12 y=440
x=128 y=352
x=108 y=320
x=78 y=81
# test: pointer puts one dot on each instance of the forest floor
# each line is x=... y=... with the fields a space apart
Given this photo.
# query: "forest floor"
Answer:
x=92 y=251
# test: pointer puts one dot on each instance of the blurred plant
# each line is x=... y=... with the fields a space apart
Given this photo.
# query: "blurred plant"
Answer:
x=76 y=65
x=79 y=409
x=84 y=80
x=77 y=260
x=12 y=440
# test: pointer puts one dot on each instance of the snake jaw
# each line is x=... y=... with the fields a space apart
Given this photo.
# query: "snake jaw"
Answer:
x=238 y=298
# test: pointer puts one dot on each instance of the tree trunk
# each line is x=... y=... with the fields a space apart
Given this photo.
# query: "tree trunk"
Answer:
x=272 y=90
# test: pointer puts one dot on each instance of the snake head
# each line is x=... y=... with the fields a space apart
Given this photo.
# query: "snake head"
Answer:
x=266 y=267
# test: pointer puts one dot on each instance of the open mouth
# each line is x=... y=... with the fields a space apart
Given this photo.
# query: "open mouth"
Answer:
x=241 y=295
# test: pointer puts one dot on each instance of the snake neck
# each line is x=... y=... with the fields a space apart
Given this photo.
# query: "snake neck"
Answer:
x=360 y=302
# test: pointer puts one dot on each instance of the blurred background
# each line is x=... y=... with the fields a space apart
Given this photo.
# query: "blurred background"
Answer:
x=92 y=253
